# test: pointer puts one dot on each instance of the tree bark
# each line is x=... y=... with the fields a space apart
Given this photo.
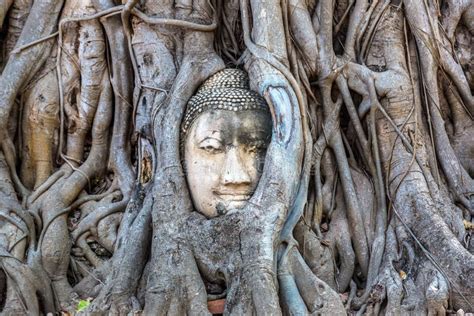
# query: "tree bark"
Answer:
x=365 y=201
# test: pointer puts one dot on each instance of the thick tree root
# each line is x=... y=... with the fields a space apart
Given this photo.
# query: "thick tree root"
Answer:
x=374 y=97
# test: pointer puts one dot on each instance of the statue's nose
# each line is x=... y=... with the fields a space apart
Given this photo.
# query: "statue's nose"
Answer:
x=234 y=170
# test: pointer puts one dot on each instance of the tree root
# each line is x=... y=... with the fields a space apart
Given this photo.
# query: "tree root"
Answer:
x=300 y=239
x=45 y=186
x=316 y=294
x=27 y=283
x=90 y=222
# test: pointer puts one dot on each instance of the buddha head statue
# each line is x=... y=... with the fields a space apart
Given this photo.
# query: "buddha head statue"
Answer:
x=224 y=136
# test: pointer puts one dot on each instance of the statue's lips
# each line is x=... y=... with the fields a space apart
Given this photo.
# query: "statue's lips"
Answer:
x=234 y=196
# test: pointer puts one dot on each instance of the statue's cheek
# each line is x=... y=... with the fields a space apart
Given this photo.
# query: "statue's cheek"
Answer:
x=254 y=163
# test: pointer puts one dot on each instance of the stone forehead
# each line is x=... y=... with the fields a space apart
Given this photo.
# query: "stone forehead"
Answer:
x=226 y=90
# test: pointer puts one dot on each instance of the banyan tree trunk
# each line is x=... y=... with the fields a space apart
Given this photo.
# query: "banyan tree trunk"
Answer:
x=365 y=203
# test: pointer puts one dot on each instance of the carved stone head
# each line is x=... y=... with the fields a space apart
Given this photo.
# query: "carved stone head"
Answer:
x=225 y=133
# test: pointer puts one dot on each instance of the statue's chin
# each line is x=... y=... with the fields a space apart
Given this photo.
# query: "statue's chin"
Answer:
x=226 y=204
x=236 y=204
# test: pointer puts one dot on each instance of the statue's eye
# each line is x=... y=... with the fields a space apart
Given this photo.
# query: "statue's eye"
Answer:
x=211 y=145
x=257 y=147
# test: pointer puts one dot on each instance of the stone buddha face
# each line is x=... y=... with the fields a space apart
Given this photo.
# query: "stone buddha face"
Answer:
x=224 y=149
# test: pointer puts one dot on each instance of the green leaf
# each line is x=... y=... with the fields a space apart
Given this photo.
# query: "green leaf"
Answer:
x=82 y=305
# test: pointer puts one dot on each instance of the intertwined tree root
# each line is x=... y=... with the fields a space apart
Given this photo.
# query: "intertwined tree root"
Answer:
x=365 y=203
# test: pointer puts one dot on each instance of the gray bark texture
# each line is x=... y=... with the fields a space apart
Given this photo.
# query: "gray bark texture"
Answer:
x=365 y=204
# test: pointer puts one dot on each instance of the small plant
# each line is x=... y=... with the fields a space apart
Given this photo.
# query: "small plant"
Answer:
x=83 y=304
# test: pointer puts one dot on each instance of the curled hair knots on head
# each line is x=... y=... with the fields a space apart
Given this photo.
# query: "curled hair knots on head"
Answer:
x=228 y=90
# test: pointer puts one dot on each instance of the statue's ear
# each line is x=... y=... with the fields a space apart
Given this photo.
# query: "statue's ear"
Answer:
x=182 y=160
